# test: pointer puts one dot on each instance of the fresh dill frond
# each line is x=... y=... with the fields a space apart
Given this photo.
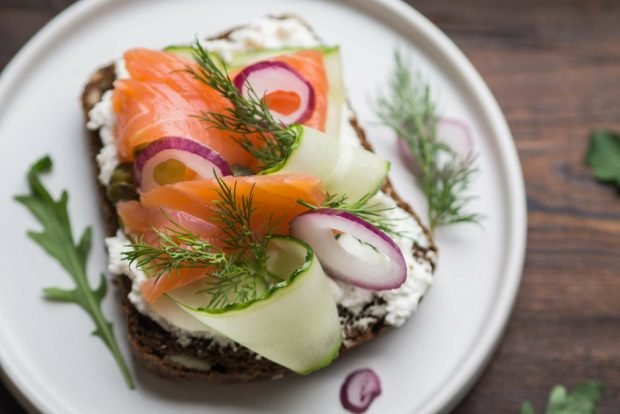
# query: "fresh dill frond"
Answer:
x=374 y=213
x=237 y=270
x=444 y=176
x=232 y=284
x=178 y=249
x=247 y=118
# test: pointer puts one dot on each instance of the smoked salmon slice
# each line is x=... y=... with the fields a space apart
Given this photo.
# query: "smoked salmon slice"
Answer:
x=191 y=205
x=274 y=197
x=140 y=222
x=162 y=99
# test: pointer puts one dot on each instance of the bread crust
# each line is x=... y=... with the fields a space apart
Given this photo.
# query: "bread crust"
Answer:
x=160 y=351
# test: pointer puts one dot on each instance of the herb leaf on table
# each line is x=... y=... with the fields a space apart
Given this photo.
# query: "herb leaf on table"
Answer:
x=603 y=156
x=581 y=400
x=56 y=239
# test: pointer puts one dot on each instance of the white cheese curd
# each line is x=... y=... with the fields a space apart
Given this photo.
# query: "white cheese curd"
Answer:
x=121 y=69
x=264 y=33
x=102 y=117
x=402 y=302
x=399 y=304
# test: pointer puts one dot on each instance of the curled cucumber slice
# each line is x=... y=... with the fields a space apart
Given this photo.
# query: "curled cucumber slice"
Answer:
x=294 y=323
x=343 y=169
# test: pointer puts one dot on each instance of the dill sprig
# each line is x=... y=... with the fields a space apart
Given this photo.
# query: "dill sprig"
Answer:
x=374 y=213
x=444 y=176
x=178 y=249
x=247 y=117
x=238 y=270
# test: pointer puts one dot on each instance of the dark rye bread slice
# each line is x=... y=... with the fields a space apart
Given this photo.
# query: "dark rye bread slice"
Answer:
x=161 y=351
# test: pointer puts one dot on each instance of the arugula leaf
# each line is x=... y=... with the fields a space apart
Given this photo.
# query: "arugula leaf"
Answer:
x=581 y=400
x=527 y=408
x=56 y=239
x=603 y=156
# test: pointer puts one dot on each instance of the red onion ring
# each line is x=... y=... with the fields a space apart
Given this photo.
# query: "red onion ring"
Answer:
x=452 y=132
x=316 y=228
x=270 y=76
x=200 y=158
x=455 y=133
x=359 y=390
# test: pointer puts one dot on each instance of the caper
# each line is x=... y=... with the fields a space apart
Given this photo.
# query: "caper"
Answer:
x=122 y=185
x=123 y=173
x=121 y=192
x=238 y=169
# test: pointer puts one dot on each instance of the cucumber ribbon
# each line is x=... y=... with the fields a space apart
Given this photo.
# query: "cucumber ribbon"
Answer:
x=293 y=323
x=343 y=169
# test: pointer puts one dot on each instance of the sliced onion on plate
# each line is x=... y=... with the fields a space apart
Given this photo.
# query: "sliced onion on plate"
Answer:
x=359 y=389
x=455 y=133
x=172 y=159
x=282 y=87
x=452 y=132
x=318 y=229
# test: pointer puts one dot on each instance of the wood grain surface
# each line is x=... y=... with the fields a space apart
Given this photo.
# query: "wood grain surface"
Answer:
x=554 y=67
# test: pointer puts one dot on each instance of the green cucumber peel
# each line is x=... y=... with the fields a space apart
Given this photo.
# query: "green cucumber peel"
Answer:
x=240 y=59
x=56 y=239
x=277 y=325
x=244 y=58
x=343 y=169
x=299 y=132
x=329 y=358
x=268 y=294
x=186 y=51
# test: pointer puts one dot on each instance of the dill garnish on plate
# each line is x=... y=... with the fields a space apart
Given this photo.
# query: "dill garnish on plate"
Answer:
x=443 y=175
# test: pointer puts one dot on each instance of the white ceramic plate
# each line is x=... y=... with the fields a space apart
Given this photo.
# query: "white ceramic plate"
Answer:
x=426 y=366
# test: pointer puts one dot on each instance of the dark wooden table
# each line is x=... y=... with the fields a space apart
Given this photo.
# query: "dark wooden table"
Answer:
x=554 y=67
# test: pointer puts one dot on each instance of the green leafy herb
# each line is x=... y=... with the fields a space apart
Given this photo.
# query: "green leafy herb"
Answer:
x=246 y=117
x=238 y=270
x=373 y=213
x=57 y=240
x=603 y=156
x=581 y=400
x=407 y=109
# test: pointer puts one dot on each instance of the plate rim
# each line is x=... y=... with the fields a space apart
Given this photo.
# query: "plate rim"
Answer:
x=475 y=363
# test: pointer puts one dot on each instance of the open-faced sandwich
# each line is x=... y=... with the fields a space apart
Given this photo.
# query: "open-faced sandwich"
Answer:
x=253 y=230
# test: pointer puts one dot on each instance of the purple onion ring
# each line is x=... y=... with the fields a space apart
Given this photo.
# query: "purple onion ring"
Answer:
x=200 y=158
x=359 y=390
x=270 y=76
x=316 y=227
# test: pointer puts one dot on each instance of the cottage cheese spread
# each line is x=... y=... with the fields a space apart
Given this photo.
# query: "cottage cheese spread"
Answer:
x=264 y=33
x=399 y=304
x=102 y=117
